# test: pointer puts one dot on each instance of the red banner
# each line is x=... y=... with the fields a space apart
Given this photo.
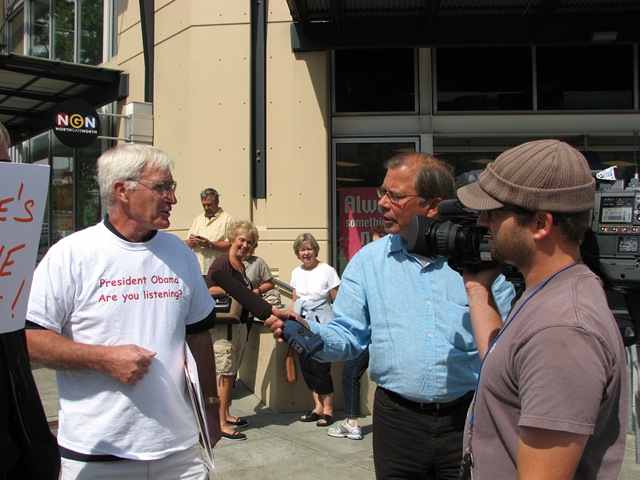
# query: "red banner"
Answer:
x=358 y=213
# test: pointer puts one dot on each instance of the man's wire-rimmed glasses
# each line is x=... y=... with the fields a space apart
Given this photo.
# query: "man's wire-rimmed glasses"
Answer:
x=163 y=187
x=393 y=197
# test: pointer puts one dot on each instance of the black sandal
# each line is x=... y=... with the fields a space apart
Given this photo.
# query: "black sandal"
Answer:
x=327 y=419
x=310 y=417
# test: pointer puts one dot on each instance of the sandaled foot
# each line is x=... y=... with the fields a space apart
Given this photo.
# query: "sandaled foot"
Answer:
x=234 y=436
x=238 y=422
x=324 y=421
x=310 y=417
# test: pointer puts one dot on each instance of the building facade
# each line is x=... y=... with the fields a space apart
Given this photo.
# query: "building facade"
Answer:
x=291 y=124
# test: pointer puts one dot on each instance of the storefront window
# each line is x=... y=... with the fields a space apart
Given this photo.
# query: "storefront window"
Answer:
x=359 y=170
x=64 y=15
x=585 y=78
x=92 y=21
x=62 y=191
x=484 y=79
x=40 y=21
x=88 y=204
x=74 y=39
x=16 y=33
x=370 y=81
x=39 y=154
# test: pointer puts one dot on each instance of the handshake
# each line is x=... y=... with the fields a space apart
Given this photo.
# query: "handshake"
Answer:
x=281 y=323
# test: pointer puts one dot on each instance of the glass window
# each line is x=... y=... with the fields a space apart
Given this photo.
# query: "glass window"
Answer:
x=16 y=33
x=62 y=191
x=91 y=31
x=375 y=81
x=484 y=79
x=464 y=162
x=64 y=30
x=359 y=170
x=40 y=20
x=88 y=194
x=39 y=154
x=585 y=78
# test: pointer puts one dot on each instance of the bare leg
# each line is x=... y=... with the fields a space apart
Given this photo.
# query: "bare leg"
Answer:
x=225 y=387
x=319 y=407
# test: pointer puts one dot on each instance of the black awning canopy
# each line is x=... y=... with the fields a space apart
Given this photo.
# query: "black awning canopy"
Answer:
x=30 y=89
x=331 y=24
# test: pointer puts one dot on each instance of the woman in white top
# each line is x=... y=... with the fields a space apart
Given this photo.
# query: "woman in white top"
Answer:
x=315 y=286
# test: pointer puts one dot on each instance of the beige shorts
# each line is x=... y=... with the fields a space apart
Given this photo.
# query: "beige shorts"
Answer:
x=228 y=353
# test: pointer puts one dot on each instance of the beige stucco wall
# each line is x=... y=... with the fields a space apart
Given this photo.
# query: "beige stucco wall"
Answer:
x=201 y=107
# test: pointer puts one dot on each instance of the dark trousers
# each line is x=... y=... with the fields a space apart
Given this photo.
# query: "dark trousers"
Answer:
x=317 y=375
x=351 y=374
x=412 y=443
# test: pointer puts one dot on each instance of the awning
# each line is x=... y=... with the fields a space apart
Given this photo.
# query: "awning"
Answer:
x=31 y=87
x=330 y=24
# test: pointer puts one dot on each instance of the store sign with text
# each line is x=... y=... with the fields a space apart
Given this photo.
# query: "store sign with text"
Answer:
x=358 y=214
x=76 y=123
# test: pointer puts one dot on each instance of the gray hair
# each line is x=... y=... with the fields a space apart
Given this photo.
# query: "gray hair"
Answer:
x=126 y=162
x=210 y=192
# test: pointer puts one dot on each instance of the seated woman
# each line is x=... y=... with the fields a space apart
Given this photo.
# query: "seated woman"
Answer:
x=261 y=279
x=315 y=286
x=229 y=340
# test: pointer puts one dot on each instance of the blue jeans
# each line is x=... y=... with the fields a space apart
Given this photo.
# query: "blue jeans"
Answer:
x=351 y=374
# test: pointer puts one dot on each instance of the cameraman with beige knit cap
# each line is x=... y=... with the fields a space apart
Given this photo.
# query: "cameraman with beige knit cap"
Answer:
x=551 y=397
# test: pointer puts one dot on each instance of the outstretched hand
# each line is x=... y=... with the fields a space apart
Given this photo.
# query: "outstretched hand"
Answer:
x=275 y=322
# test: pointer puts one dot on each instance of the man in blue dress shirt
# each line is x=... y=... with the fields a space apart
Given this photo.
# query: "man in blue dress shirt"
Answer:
x=412 y=312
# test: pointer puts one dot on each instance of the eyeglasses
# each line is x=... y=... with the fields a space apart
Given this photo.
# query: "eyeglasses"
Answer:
x=163 y=187
x=393 y=197
x=209 y=191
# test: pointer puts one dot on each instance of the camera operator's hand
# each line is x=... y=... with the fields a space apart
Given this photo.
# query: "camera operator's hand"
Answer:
x=485 y=317
x=474 y=277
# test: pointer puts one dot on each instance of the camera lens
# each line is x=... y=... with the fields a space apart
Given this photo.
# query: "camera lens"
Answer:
x=465 y=245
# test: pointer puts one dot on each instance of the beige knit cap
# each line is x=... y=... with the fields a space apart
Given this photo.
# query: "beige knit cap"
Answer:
x=542 y=175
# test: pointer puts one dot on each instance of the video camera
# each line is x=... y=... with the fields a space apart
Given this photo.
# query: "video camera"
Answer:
x=611 y=247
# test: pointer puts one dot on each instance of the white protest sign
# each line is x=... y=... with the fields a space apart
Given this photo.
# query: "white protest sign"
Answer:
x=23 y=194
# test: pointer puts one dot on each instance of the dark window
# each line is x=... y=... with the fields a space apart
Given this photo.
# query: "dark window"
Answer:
x=359 y=169
x=484 y=79
x=64 y=32
x=40 y=28
x=375 y=81
x=585 y=78
x=91 y=19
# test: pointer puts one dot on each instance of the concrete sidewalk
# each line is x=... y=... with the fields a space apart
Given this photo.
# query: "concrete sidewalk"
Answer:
x=281 y=447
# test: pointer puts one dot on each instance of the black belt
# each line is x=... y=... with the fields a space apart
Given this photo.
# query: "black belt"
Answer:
x=85 y=457
x=464 y=400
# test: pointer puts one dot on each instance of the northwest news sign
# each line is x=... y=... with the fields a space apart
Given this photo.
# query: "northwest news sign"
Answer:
x=75 y=123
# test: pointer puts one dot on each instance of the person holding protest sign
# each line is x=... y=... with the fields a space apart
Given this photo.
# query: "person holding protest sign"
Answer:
x=26 y=452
